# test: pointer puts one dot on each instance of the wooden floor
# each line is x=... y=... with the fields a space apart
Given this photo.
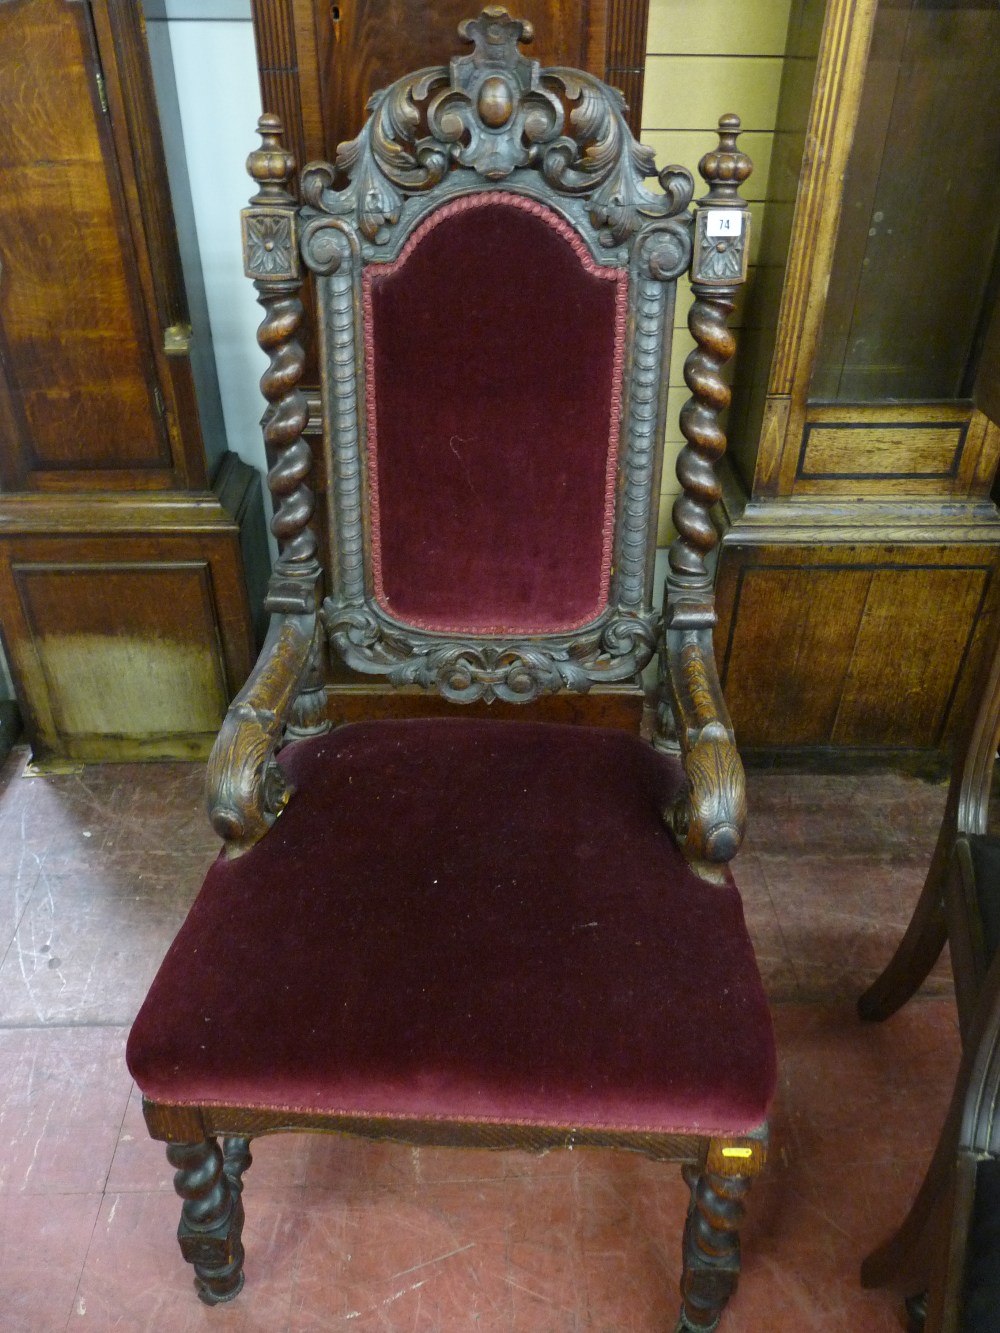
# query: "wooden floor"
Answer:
x=96 y=872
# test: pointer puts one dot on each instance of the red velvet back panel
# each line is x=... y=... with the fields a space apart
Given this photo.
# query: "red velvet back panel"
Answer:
x=493 y=360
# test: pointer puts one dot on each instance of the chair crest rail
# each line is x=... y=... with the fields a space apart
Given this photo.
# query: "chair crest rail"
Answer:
x=494 y=112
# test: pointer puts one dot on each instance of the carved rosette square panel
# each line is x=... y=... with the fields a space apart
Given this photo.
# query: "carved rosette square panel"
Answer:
x=721 y=247
x=270 y=244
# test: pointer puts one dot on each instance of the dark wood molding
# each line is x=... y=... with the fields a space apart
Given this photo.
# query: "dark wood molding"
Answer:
x=275 y=32
x=625 y=53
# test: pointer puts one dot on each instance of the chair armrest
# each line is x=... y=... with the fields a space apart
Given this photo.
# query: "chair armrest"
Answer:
x=709 y=817
x=246 y=789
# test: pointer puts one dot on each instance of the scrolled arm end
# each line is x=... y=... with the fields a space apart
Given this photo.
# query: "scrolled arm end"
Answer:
x=709 y=817
x=246 y=789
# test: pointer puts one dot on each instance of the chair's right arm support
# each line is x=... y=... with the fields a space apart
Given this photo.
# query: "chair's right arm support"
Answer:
x=246 y=788
x=709 y=817
x=710 y=814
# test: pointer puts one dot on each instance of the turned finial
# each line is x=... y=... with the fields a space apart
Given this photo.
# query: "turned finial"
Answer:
x=725 y=168
x=723 y=226
x=271 y=165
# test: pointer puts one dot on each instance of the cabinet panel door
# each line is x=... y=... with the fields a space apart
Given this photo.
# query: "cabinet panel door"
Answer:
x=124 y=650
x=852 y=647
x=76 y=358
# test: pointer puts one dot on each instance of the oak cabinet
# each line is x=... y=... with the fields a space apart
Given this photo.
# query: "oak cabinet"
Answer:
x=123 y=521
x=858 y=569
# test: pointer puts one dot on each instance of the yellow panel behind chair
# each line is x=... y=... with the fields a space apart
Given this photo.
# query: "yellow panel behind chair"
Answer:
x=717 y=27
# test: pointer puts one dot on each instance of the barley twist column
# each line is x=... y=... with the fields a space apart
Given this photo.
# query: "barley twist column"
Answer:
x=718 y=269
x=271 y=259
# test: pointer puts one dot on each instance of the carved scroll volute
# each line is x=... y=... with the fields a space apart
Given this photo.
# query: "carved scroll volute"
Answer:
x=271 y=259
x=709 y=816
x=718 y=269
x=245 y=788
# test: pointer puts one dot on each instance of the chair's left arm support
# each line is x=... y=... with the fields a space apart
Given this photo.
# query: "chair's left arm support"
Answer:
x=710 y=814
x=246 y=789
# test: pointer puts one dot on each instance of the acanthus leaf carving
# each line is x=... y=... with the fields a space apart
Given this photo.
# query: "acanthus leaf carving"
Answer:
x=677 y=184
x=601 y=159
x=385 y=162
x=515 y=671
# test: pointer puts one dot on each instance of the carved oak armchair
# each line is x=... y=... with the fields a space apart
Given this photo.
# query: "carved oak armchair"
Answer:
x=457 y=931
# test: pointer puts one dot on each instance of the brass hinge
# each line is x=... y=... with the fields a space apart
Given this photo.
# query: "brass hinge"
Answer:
x=102 y=90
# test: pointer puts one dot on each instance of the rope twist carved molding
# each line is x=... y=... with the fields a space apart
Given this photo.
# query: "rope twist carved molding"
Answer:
x=721 y=248
x=711 y=1247
x=331 y=250
x=287 y=478
x=661 y=258
x=211 y=1219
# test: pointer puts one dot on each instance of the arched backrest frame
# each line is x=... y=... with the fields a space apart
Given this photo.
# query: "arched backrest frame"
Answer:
x=428 y=143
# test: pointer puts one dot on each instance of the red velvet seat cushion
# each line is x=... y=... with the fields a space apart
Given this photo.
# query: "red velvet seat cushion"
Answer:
x=468 y=920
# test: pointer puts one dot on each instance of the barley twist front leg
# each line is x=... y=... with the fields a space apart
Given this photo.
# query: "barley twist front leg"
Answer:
x=211 y=1217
